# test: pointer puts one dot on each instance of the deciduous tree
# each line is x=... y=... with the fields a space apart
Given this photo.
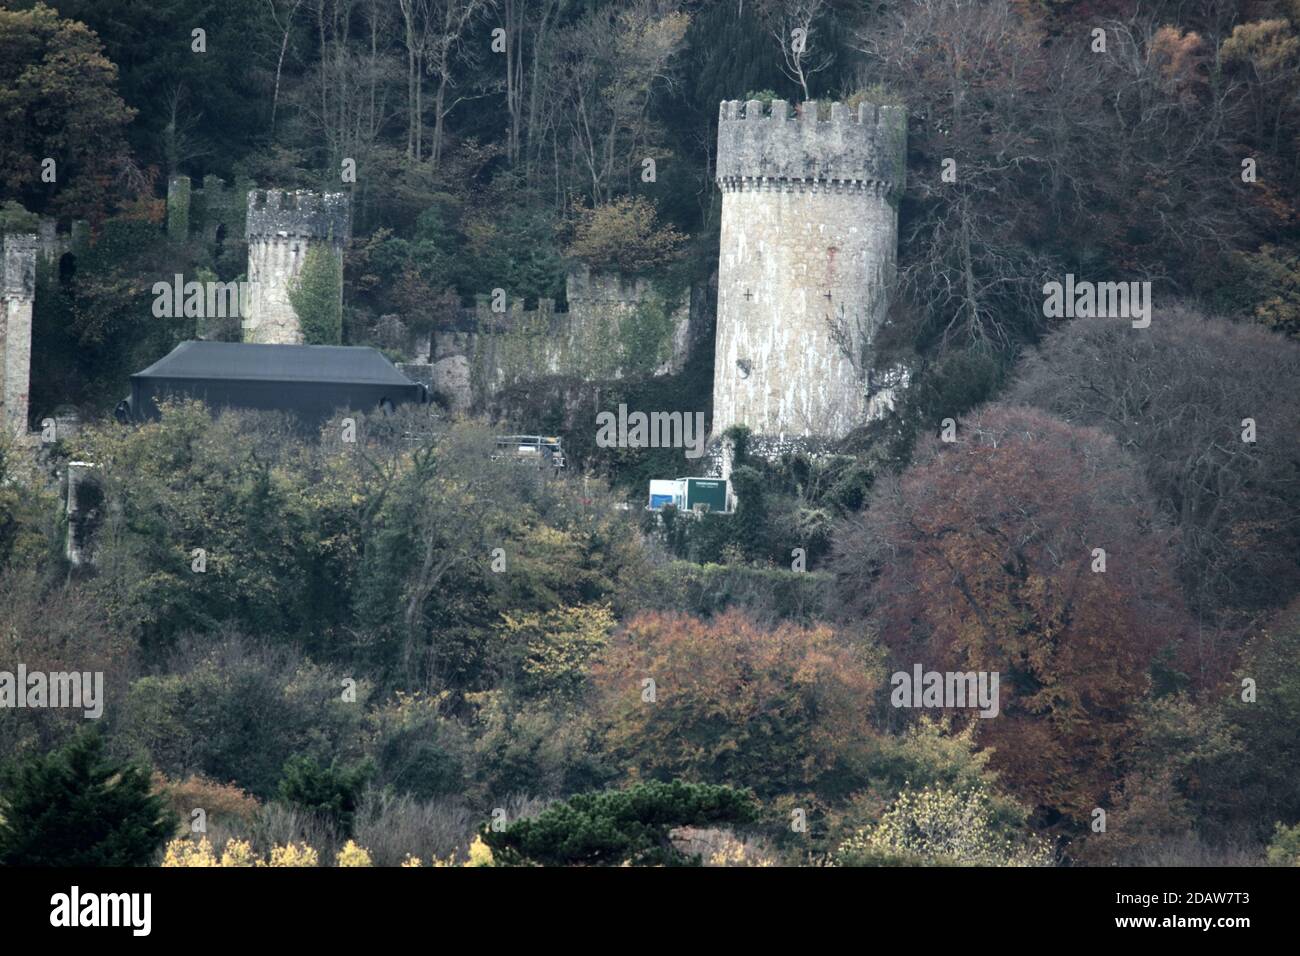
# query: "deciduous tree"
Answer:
x=1177 y=395
x=782 y=710
x=59 y=102
x=983 y=556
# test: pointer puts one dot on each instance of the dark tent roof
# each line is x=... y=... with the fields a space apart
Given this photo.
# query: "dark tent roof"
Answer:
x=311 y=381
x=239 y=361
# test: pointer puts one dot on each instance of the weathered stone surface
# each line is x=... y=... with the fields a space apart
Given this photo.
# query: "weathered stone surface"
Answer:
x=216 y=212
x=84 y=513
x=490 y=351
x=451 y=377
x=280 y=227
x=809 y=235
x=17 y=292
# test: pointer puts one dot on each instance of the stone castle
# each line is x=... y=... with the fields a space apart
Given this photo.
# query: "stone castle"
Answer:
x=213 y=213
x=809 y=231
x=19 y=253
x=807 y=258
x=279 y=226
x=477 y=350
x=591 y=340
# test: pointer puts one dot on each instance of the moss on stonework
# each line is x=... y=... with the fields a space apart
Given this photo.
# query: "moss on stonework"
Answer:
x=179 y=198
x=479 y=386
x=646 y=336
x=16 y=220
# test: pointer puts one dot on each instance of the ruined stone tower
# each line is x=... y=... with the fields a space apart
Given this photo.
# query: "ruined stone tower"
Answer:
x=809 y=238
x=215 y=212
x=281 y=227
x=17 y=292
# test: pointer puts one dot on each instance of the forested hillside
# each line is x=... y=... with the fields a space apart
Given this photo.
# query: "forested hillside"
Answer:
x=399 y=649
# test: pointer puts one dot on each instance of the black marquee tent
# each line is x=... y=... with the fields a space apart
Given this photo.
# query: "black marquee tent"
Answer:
x=312 y=381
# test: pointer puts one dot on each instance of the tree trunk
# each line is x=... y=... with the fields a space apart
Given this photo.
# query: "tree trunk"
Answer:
x=439 y=115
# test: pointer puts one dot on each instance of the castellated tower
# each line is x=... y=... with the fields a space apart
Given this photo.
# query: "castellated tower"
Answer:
x=281 y=227
x=809 y=239
x=17 y=292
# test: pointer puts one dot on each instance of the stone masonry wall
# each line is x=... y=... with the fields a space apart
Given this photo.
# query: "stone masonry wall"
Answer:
x=215 y=210
x=281 y=226
x=809 y=235
x=17 y=292
x=590 y=341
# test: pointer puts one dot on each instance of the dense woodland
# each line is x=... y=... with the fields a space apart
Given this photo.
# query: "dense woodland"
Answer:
x=401 y=650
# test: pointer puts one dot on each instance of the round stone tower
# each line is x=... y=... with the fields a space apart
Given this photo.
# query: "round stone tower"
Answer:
x=281 y=227
x=809 y=238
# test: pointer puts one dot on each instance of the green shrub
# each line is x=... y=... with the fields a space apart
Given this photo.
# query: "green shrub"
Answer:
x=766 y=594
x=332 y=791
x=941 y=826
x=1285 y=848
x=614 y=827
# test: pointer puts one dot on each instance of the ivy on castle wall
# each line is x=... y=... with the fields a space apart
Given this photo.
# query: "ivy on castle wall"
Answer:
x=317 y=297
x=646 y=336
x=590 y=343
x=16 y=220
x=93 y=323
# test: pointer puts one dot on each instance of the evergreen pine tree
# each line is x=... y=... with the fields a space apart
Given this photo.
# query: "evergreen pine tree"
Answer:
x=317 y=297
x=613 y=827
x=77 y=807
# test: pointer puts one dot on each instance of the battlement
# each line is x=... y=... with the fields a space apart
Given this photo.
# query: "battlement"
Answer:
x=53 y=244
x=220 y=195
x=584 y=287
x=215 y=212
x=18 y=267
x=777 y=148
x=299 y=213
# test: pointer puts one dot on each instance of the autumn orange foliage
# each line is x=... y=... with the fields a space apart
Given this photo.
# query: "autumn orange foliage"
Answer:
x=780 y=710
x=985 y=551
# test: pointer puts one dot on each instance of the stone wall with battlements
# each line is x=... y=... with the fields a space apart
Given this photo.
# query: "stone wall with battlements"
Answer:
x=488 y=351
x=54 y=244
x=809 y=236
x=215 y=212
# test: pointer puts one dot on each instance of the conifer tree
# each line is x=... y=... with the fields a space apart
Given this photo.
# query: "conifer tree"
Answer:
x=317 y=297
x=78 y=807
x=619 y=826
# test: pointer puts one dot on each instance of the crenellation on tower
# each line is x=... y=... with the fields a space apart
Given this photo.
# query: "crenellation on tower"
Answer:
x=300 y=214
x=809 y=235
x=758 y=145
x=53 y=244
